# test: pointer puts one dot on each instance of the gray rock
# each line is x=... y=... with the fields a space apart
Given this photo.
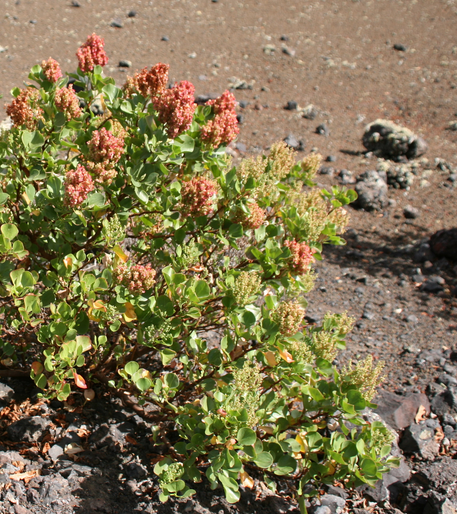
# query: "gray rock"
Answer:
x=444 y=402
x=55 y=452
x=420 y=440
x=411 y=212
x=132 y=14
x=327 y=170
x=347 y=177
x=125 y=64
x=371 y=189
x=400 y=411
x=117 y=23
x=438 y=505
x=292 y=142
x=400 y=177
x=331 y=158
x=310 y=112
x=335 y=503
x=385 y=138
x=6 y=393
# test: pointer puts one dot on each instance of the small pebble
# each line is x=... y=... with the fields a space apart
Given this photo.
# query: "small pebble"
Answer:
x=411 y=212
x=284 y=38
x=323 y=130
x=331 y=158
x=117 y=24
x=125 y=64
x=165 y=38
x=75 y=3
x=33 y=22
x=131 y=14
x=291 y=106
x=400 y=47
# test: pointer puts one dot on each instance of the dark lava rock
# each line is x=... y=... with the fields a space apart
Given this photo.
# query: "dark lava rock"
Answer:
x=444 y=402
x=419 y=439
x=411 y=212
x=444 y=243
x=291 y=106
x=386 y=139
x=371 y=189
x=327 y=170
x=131 y=14
x=28 y=429
x=400 y=411
x=323 y=130
x=423 y=253
x=400 y=47
x=331 y=158
x=125 y=64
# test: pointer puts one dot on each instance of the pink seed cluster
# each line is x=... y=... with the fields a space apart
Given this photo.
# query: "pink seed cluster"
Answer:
x=105 y=150
x=148 y=83
x=78 y=183
x=67 y=102
x=51 y=70
x=91 y=53
x=198 y=196
x=105 y=146
x=302 y=256
x=137 y=279
x=223 y=129
x=24 y=109
x=254 y=219
x=176 y=107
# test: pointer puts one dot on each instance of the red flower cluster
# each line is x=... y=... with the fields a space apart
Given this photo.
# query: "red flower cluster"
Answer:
x=254 y=219
x=223 y=129
x=78 y=183
x=91 y=53
x=24 y=109
x=67 y=102
x=302 y=256
x=148 y=83
x=198 y=196
x=105 y=146
x=51 y=70
x=176 y=107
x=136 y=279
x=105 y=150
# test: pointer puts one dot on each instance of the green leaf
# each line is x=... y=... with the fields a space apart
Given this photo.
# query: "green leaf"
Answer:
x=9 y=231
x=4 y=198
x=236 y=231
x=167 y=356
x=132 y=367
x=32 y=304
x=263 y=460
x=215 y=357
x=202 y=289
x=171 y=380
x=111 y=91
x=246 y=437
x=143 y=384
x=286 y=465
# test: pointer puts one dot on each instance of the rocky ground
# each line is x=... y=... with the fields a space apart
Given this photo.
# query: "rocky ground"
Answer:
x=314 y=73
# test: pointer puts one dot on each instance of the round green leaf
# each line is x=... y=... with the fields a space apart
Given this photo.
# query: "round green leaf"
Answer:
x=132 y=367
x=9 y=231
x=246 y=436
x=263 y=460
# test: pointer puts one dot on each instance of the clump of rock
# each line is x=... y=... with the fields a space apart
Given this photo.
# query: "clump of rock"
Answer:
x=371 y=189
x=387 y=139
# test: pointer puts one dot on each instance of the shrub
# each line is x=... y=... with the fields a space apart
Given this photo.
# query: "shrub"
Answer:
x=134 y=255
